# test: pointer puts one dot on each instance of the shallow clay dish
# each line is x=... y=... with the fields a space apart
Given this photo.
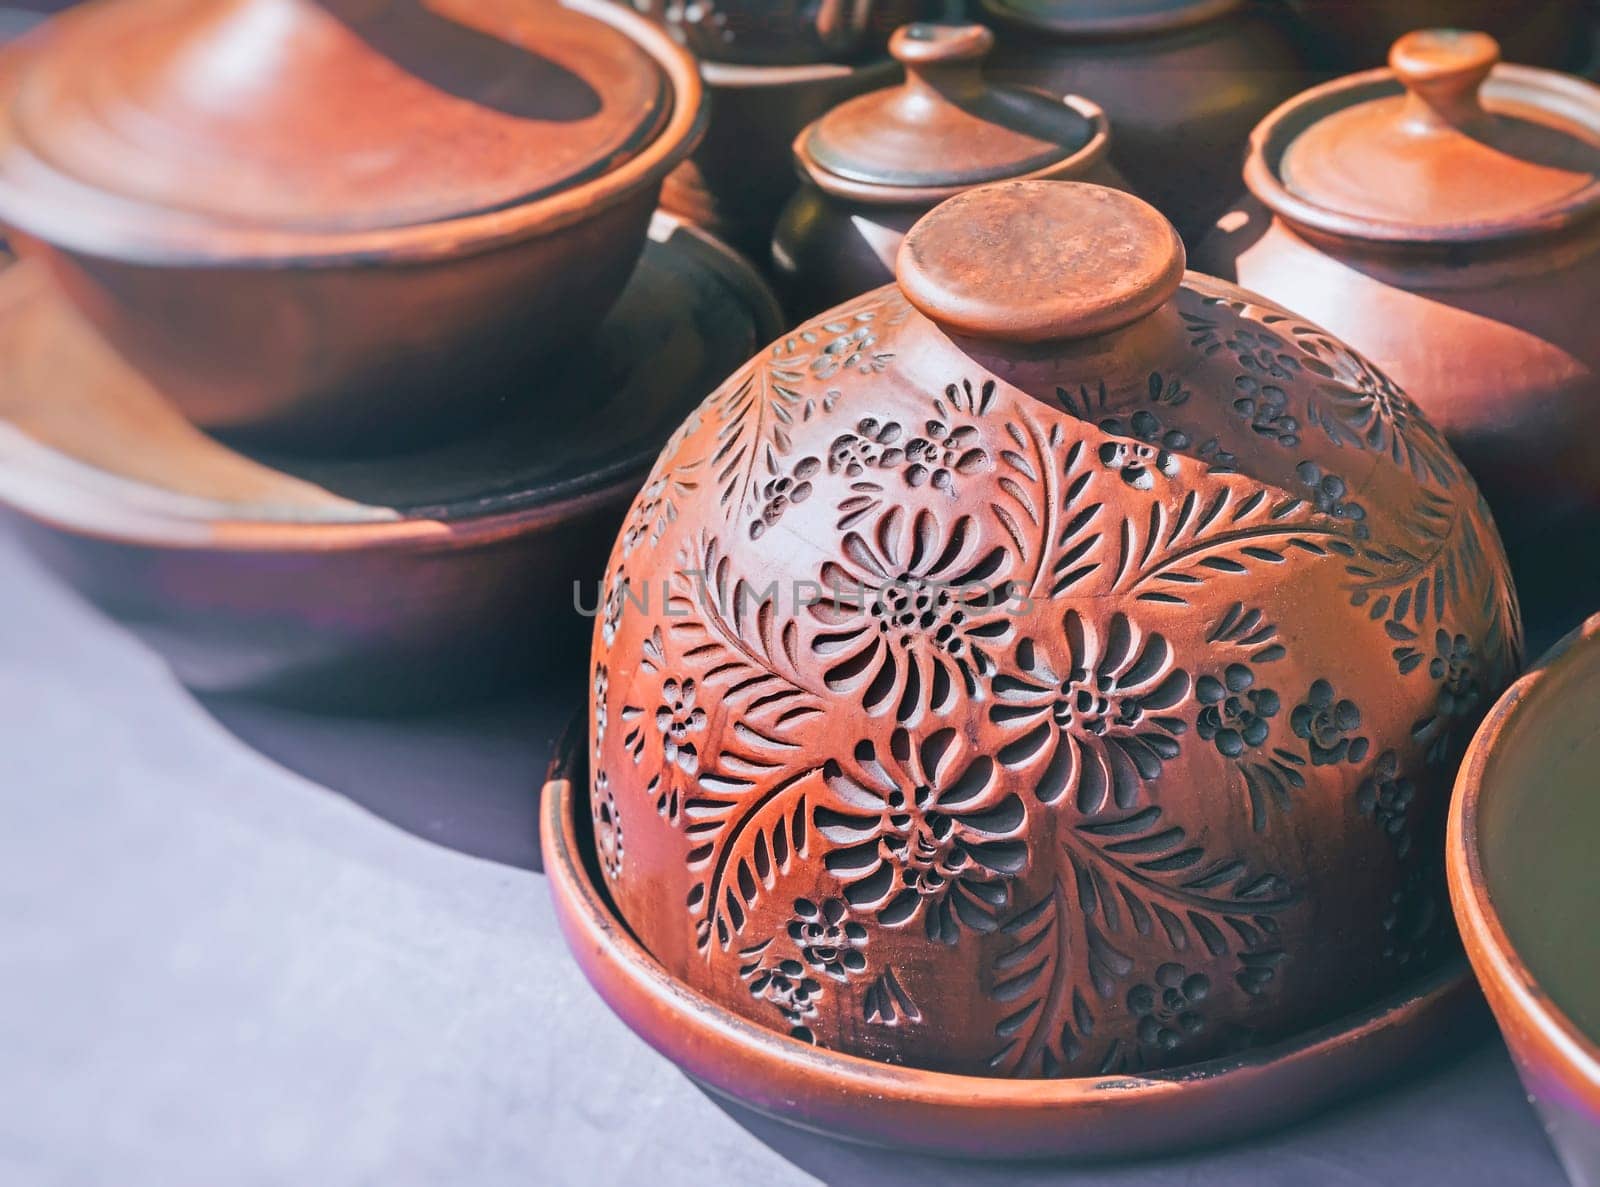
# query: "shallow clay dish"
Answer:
x=1524 y=832
x=923 y=1112
x=1443 y=217
x=438 y=573
x=875 y=164
x=379 y=209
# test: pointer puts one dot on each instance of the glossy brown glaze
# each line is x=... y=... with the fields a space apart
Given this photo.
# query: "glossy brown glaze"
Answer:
x=1465 y=274
x=875 y=164
x=1530 y=770
x=932 y=1113
x=450 y=571
x=789 y=32
x=1182 y=81
x=1356 y=34
x=1012 y=665
x=377 y=208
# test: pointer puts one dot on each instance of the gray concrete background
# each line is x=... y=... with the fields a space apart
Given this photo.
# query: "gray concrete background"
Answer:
x=240 y=947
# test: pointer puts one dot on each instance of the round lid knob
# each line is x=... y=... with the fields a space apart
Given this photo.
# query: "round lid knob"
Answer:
x=946 y=127
x=1442 y=70
x=1040 y=261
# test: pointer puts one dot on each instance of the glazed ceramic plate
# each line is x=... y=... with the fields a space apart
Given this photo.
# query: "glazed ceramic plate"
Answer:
x=450 y=566
x=970 y=1117
x=1524 y=831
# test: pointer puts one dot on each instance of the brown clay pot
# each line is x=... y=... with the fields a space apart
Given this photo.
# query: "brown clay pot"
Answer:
x=1051 y=665
x=452 y=571
x=369 y=222
x=786 y=32
x=1182 y=81
x=875 y=164
x=1347 y=35
x=1467 y=273
x=1523 y=830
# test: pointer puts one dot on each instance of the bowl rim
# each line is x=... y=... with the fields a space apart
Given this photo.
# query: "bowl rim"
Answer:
x=76 y=217
x=1489 y=945
x=953 y=1115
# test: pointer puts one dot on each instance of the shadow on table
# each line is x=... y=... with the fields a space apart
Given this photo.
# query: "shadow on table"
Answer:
x=1408 y=1131
x=466 y=778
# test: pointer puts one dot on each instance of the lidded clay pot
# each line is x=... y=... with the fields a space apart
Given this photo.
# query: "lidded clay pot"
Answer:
x=874 y=165
x=1443 y=216
x=786 y=33
x=1051 y=664
x=1182 y=82
x=335 y=221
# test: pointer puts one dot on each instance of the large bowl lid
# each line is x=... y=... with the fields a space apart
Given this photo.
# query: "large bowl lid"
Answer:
x=1108 y=18
x=332 y=115
x=945 y=127
x=1446 y=145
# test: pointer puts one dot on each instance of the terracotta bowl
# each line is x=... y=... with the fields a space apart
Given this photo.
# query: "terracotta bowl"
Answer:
x=1523 y=834
x=446 y=572
x=311 y=332
x=959 y=1116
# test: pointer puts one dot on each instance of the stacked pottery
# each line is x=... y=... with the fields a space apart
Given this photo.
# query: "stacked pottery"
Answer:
x=873 y=165
x=1443 y=216
x=1182 y=81
x=1036 y=668
x=345 y=236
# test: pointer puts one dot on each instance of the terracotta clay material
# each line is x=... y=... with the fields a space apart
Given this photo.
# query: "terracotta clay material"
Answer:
x=1112 y=1116
x=1466 y=274
x=450 y=571
x=380 y=207
x=789 y=32
x=1356 y=34
x=1035 y=651
x=1523 y=831
x=1182 y=82
x=877 y=163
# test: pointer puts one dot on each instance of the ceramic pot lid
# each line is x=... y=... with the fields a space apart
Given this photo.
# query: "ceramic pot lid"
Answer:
x=335 y=115
x=1108 y=18
x=1445 y=144
x=945 y=126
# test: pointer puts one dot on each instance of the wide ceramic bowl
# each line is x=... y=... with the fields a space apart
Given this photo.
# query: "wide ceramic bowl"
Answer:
x=1524 y=879
x=370 y=224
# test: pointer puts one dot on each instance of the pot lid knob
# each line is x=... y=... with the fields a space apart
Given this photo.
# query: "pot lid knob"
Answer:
x=941 y=55
x=1040 y=261
x=1442 y=70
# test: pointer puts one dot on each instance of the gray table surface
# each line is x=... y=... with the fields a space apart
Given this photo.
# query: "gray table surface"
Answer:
x=241 y=946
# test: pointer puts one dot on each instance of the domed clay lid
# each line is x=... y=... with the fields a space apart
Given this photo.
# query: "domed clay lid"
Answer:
x=1108 y=18
x=945 y=128
x=1445 y=145
x=330 y=116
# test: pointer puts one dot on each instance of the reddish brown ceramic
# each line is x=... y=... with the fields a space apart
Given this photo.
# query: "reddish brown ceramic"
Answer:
x=1524 y=827
x=788 y=32
x=1444 y=218
x=1356 y=34
x=875 y=164
x=1051 y=665
x=377 y=207
x=924 y=1112
x=451 y=571
x=1182 y=81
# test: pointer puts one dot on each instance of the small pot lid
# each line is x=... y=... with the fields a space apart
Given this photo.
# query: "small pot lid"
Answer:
x=1108 y=18
x=334 y=115
x=1447 y=144
x=945 y=127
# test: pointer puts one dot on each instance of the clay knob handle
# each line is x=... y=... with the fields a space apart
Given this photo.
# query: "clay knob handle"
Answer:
x=1040 y=261
x=1442 y=70
x=944 y=57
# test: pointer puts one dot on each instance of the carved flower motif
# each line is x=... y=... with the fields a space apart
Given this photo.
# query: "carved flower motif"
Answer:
x=1168 y=1012
x=874 y=445
x=941 y=454
x=1330 y=495
x=1386 y=796
x=850 y=349
x=1102 y=717
x=784 y=984
x=1263 y=354
x=909 y=615
x=1235 y=714
x=1265 y=406
x=827 y=938
x=607 y=827
x=1151 y=451
x=678 y=720
x=923 y=830
x=1455 y=667
x=601 y=685
x=611 y=615
x=783 y=492
x=1368 y=410
x=1329 y=724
